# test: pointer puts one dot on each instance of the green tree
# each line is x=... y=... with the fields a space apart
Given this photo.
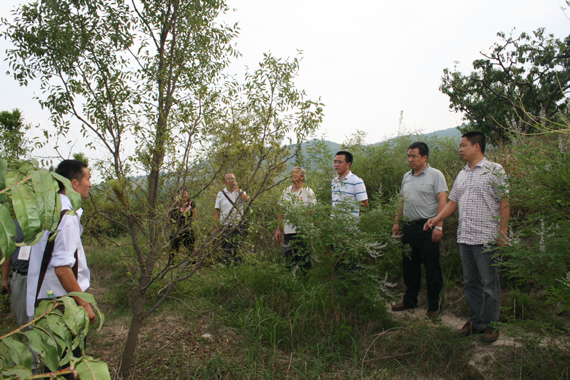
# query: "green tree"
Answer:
x=519 y=83
x=12 y=133
x=150 y=73
x=255 y=120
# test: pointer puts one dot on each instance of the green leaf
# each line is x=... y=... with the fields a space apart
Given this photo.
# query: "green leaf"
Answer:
x=32 y=241
x=27 y=167
x=45 y=188
x=56 y=214
x=74 y=316
x=3 y=173
x=74 y=196
x=57 y=326
x=91 y=300
x=17 y=372
x=44 y=346
x=7 y=231
x=90 y=369
x=25 y=208
x=43 y=307
x=5 y=359
x=71 y=309
x=87 y=297
x=14 y=177
x=65 y=360
x=19 y=352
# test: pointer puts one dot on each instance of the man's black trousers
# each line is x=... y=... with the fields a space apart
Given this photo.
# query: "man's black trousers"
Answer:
x=422 y=251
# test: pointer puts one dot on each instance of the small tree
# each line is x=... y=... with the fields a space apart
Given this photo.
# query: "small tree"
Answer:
x=12 y=133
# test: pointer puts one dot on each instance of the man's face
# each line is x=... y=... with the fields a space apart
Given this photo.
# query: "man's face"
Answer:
x=415 y=159
x=296 y=176
x=340 y=165
x=466 y=149
x=82 y=186
x=230 y=181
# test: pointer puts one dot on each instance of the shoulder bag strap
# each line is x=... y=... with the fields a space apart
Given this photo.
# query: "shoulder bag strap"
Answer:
x=234 y=206
x=47 y=257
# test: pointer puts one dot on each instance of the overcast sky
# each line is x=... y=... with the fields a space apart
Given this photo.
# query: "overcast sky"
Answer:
x=367 y=59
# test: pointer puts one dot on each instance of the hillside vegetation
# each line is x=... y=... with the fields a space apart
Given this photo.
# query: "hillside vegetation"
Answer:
x=261 y=321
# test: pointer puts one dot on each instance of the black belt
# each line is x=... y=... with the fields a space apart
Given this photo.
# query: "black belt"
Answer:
x=22 y=272
x=416 y=222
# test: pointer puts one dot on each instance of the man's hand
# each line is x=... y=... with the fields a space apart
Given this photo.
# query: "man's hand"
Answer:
x=503 y=238
x=69 y=283
x=6 y=275
x=5 y=287
x=278 y=235
x=436 y=235
x=216 y=218
x=395 y=229
x=90 y=313
x=431 y=223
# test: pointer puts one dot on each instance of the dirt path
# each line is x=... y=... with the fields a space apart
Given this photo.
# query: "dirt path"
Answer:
x=481 y=349
x=446 y=318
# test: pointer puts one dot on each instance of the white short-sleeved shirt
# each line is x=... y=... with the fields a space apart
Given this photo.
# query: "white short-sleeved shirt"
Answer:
x=478 y=193
x=351 y=190
x=67 y=241
x=303 y=197
x=420 y=193
x=228 y=213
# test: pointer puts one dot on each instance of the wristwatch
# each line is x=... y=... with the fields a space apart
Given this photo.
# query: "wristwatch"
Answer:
x=439 y=228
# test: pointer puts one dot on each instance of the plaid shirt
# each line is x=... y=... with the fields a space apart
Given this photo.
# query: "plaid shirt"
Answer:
x=478 y=193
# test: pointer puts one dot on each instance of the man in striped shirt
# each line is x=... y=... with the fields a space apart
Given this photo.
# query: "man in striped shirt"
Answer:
x=348 y=190
x=481 y=196
x=348 y=195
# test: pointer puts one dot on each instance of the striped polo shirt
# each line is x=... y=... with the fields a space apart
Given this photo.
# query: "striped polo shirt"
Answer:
x=349 y=191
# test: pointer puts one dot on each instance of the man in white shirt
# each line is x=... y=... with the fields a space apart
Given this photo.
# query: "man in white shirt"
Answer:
x=348 y=193
x=347 y=187
x=228 y=210
x=67 y=269
x=296 y=195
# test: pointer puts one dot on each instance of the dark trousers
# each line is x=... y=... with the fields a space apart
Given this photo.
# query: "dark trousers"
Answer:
x=231 y=241
x=296 y=253
x=185 y=239
x=422 y=251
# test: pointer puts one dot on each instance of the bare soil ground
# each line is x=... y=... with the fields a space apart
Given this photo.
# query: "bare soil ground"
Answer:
x=165 y=340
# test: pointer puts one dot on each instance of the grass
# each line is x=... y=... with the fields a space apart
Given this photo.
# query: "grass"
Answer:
x=259 y=322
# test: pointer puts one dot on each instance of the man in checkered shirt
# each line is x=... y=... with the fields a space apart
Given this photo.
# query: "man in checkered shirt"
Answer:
x=480 y=194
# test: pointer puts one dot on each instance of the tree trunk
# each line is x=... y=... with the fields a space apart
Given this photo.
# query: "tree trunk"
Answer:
x=148 y=265
x=133 y=338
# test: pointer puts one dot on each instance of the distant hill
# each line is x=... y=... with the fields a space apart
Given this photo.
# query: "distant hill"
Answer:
x=444 y=133
x=334 y=147
x=449 y=132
